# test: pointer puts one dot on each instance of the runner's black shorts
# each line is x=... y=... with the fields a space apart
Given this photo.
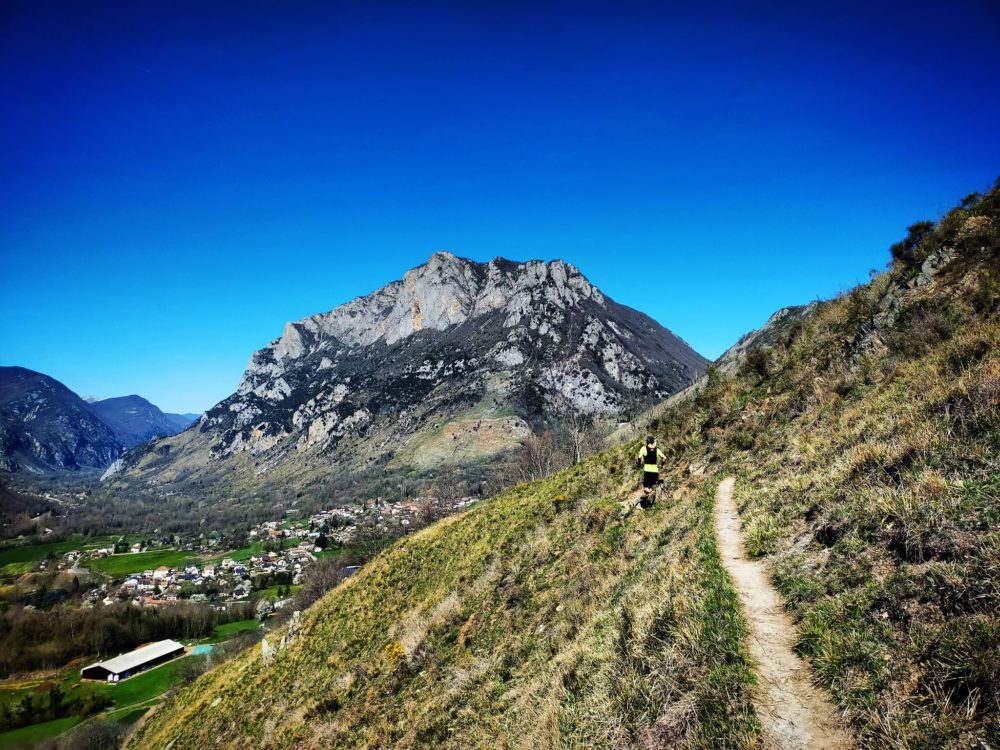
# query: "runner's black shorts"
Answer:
x=650 y=478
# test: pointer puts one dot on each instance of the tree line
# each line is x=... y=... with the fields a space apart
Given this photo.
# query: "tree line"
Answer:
x=33 y=639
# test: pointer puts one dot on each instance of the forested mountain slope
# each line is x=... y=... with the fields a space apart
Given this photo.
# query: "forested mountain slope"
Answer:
x=864 y=442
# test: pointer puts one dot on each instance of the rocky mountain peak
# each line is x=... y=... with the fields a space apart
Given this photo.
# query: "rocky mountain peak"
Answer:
x=456 y=360
x=445 y=291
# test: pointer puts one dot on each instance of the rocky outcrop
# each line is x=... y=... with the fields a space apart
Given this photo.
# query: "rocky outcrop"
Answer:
x=775 y=329
x=452 y=340
x=896 y=297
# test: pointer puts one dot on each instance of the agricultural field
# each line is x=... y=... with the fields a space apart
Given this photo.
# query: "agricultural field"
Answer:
x=136 y=562
x=227 y=631
x=28 y=736
x=271 y=592
x=16 y=559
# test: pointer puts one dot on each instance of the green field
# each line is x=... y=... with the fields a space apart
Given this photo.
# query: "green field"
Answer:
x=136 y=562
x=140 y=688
x=363 y=551
x=27 y=736
x=128 y=715
x=271 y=592
x=19 y=558
x=227 y=631
x=16 y=568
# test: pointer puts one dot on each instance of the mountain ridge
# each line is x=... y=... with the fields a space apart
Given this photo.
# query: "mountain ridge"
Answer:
x=45 y=426
x=135 y=419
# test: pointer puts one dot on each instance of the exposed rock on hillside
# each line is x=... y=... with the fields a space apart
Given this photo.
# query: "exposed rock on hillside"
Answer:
x=776 y=327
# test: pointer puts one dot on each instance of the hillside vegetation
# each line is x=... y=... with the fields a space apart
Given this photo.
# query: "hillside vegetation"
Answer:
x=864 y=443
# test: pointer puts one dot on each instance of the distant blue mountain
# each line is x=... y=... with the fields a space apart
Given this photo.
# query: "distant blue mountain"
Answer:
x=45 y=427
x=135 y=420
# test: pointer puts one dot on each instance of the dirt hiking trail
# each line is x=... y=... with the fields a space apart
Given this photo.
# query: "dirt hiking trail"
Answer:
x=795 y=714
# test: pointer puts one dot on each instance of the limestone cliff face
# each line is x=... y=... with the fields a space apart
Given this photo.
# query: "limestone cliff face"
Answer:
x=445 y=292
x=501 y=345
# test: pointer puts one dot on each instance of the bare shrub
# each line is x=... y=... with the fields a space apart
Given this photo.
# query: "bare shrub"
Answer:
x=907 y=251
x=920 y=327
x=321 y=577
x=192 y=667
x=758 y=362
x=540 y=456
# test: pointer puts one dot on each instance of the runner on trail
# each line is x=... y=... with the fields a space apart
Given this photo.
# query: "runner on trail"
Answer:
x=650 y=458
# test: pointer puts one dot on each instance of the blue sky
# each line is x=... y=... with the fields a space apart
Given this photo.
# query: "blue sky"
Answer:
x=179 y=179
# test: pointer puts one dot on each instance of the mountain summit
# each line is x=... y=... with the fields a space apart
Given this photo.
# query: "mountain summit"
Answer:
x=455 y=362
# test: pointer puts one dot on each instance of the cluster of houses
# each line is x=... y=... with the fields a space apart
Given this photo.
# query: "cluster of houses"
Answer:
x=341 y=525
x=292 y=545
x=220 y=582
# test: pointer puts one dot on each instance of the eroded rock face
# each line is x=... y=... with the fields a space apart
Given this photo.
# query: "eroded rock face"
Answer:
x=445 y=292
x=425 y=349
x=892 y=301
x=896 y=298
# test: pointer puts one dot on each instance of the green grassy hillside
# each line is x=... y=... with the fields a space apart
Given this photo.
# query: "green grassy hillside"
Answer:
x=542 y=602
x=865 y=447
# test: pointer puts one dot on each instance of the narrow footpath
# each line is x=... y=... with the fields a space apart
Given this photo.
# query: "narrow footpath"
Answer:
x=796 y=715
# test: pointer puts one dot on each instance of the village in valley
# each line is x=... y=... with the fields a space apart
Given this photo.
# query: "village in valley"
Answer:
x=272 y=561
